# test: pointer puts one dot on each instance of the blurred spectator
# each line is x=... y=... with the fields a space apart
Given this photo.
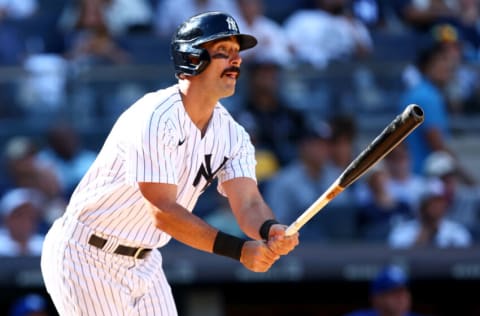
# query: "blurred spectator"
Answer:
x=90 y=41
x=272 y=40
x=327 y=33
x=24 y=170
x=367 y=94
x=343 y=209
x=344 y=133
x=35 y=49
x=21 y=215
x=462 y=90
x=120 y=16
x=17 y=9
x=469 y=14
x=443 y=36
x=265 y=107
x=43 y=91
x=171 y=13
x=296 y=186
x=370 y=12
x=421 y=16
x=463 y=201
x=463 y=83
x=378 y=209
x=437 y=67
x=13 y=49
x=389 y=294
x=431 y=227
x=404 y=185
x=29 y=305
x=65 y=155
x=126 y=16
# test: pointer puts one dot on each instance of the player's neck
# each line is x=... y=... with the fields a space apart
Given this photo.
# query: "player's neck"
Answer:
x=198 y=104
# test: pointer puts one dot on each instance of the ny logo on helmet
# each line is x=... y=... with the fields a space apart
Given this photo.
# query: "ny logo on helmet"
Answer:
x=232 y=25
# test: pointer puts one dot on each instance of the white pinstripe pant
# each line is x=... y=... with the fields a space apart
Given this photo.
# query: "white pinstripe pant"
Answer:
x=84 y=280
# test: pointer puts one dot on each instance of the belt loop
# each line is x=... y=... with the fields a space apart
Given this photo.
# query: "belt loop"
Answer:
x=111 y=245
x=138 y=252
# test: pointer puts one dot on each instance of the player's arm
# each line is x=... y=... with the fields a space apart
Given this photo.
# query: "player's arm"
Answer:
x=251 y=212
x=178 y=222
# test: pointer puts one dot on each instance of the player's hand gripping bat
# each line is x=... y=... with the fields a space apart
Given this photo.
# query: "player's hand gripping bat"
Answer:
x=386 y=141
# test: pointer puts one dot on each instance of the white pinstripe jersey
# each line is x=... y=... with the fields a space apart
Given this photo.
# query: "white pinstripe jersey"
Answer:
x=156 y=141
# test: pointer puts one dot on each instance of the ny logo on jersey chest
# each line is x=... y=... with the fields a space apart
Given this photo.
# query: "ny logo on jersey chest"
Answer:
x=206 y=172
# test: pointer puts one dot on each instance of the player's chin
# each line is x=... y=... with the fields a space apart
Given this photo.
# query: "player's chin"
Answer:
x=228 y=91
x=231 y=83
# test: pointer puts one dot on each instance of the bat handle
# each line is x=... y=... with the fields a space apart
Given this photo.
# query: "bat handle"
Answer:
x=320 y=203
x=293 y=228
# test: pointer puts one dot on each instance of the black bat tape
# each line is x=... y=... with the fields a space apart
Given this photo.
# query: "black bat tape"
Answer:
x=385 y=142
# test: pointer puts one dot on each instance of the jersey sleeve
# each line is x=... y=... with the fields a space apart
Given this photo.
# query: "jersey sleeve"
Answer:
x=242 y=163
x=150 y=155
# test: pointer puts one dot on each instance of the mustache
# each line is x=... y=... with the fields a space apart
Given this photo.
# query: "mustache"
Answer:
x=231 y=69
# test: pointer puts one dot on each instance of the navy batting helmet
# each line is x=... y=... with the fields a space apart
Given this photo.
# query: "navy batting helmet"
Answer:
x=188 y=56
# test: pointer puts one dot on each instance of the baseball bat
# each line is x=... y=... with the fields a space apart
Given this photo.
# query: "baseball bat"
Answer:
x=393 y=134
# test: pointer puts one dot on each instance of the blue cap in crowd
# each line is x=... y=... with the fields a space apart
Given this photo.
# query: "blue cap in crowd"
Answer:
x=389 y=278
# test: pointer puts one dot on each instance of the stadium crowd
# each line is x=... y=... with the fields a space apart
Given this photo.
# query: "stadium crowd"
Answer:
x=306 y=128
x=308 y=96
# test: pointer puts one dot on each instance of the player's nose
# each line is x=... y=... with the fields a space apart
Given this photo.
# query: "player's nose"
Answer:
x=236 y=60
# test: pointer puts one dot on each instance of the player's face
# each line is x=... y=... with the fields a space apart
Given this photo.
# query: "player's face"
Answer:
x=222 y=73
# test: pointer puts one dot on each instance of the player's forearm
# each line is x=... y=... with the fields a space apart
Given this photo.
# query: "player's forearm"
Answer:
x=174 y=219
x=252 y=216
x=247 y=205
x=184 y=227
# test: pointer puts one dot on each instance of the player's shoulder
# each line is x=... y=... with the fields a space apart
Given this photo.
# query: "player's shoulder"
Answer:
x=225 y=119
x=163 y=99
x=222 y=114
x=158 y=105
x=154 y=108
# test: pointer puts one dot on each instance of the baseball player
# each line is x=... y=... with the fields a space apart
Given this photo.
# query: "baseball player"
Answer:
x=100 y=257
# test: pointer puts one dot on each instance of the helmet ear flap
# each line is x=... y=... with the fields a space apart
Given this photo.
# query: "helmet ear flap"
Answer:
x=190 y=60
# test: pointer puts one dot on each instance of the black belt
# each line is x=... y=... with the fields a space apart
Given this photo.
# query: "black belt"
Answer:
x=136 y=252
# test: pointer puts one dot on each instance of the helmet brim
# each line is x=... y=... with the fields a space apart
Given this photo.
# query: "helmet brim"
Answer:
x=246 y=41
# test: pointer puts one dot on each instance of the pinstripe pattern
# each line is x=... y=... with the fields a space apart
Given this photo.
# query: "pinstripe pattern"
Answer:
x=152 y=141
x=108 y=284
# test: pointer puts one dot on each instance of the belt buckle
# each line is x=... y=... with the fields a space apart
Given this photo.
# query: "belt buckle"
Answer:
x=138 y=252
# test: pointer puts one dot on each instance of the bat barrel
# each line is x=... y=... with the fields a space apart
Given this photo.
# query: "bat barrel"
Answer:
x=389 y=138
